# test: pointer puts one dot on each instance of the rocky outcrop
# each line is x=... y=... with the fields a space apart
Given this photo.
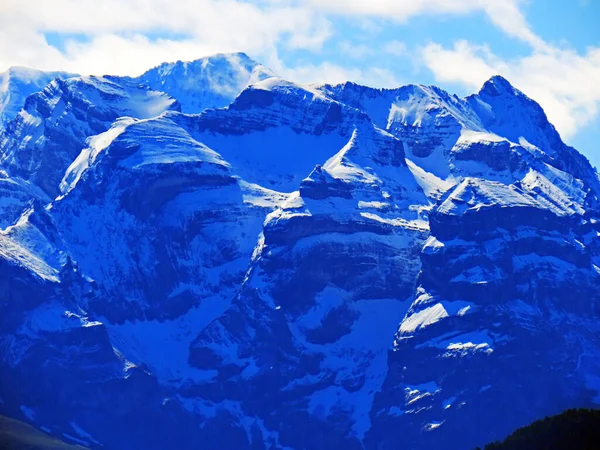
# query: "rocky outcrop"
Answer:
x=501 y=276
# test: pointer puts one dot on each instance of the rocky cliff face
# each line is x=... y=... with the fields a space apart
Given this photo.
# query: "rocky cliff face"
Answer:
x=52 y=128
x=301 y=267
x=507 y=289
x=16 y=84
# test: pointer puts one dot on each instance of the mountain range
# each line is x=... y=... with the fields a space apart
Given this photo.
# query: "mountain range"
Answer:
x=210 y=256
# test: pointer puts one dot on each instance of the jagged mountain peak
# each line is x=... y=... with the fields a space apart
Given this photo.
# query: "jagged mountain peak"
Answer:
x=209 y=82
x=27 y=75
x=508 y=112
x=217 y=59
x=16 y=84
x=498 y=85
x=500 y=129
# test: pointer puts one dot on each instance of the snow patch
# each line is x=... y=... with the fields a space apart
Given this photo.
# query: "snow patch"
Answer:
x=433 y=425
x=84 y=434
x=28 y=412
x=96 y=145
x=432 y=314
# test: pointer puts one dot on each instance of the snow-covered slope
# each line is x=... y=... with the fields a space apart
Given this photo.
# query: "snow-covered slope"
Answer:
x=276 y=131
x=211 y=254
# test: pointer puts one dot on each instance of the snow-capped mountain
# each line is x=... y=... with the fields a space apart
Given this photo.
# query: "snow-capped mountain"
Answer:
x=211 y=82
x=16 y=84
x=54 y=124
x=209 y=256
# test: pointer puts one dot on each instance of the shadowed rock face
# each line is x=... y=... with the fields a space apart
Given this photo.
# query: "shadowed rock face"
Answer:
x=308 y=267
x=494 y=304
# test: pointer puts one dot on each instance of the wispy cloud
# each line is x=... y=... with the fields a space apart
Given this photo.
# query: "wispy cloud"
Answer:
x=395 y=48
x=355 y=51
x=505 y=14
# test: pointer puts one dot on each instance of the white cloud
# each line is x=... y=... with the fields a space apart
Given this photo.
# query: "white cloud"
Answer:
x=135 y=53
x=561 y=80
x=359 y=51
x=119 y=32
x=465 y=63
x=505 y=14
x=333 y=73
x=198 y=17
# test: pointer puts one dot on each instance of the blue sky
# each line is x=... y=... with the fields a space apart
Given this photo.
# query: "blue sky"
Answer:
x=550 y=49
